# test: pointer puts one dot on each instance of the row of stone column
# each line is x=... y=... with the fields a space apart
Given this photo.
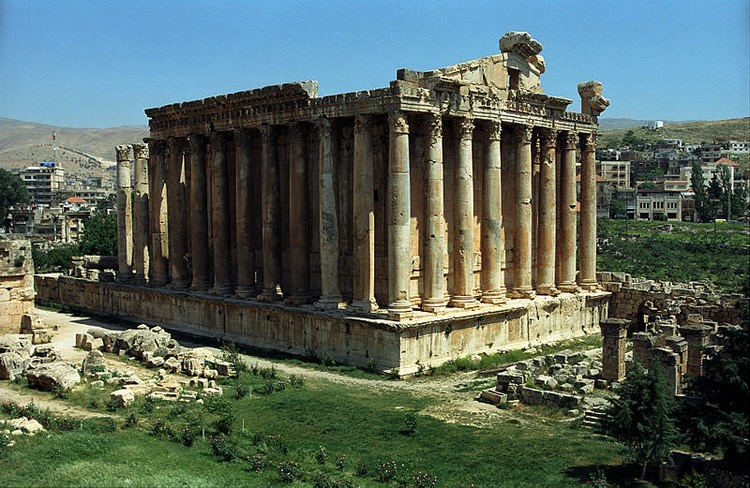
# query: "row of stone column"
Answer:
x=133 y=213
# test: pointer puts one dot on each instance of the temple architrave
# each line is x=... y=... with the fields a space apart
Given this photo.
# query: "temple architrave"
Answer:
x=403 y=226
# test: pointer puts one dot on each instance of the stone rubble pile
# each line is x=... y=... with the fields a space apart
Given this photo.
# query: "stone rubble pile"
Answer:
x=20 y=426
x=39 y=363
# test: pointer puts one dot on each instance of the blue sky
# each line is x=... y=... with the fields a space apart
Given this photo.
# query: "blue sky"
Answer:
x=101 y=63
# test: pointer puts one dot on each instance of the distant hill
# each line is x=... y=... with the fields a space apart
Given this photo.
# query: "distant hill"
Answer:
x=614 y=124
x=689 y=132
x=26 y=143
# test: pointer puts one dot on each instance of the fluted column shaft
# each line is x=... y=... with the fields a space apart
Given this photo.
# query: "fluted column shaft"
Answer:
x=463 y=237
x=299 y=217
x=493 y=281
x=270 y=215
x=567 y=241
x=124 y=216
x=434 y=247
x=547 y=223
x=198 y=214
x=398 y=214
x=364 y=218
x=243 y=212
x=140 y=214
x=587 y=278
x=158 y=270
x=177 y=195
x=522 y=245
x=220 y=223
x=330 y=292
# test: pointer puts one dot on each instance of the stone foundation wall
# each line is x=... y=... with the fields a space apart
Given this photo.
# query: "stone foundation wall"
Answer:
x=426 y=341
x=16 y=283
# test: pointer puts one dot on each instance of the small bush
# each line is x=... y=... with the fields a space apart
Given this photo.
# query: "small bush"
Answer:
x=328 y=360
x=297 y=381
x=188 y=434
x=230 y=354
x=386 y=470
x=423 y=480
x=268 y=373
x=60 y=392
x=411 y=422
x=241 y=391
x=162 y=429
x=224 y=448
x=321 y=480
x=131 y=420
x=362 y=469
x=320 y=455
x=341 y=462
x=289 y=471
x=257 y=463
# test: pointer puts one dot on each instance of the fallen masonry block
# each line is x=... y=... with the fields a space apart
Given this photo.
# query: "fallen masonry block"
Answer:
x=493 y=396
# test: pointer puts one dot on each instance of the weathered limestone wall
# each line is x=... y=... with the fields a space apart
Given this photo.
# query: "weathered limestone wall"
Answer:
x=16 y=284
x=427 y=341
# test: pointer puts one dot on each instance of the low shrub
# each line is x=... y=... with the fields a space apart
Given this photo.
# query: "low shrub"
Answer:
x=320 y=455
x=422 y=479
x=257 y=463
x=224 y=448
x=289 y=471
x=411 y=422
x=387 y=470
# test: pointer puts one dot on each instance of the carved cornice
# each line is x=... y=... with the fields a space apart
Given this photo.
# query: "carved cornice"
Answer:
x=123 y=152
x=466 y=128
x=398 y=123
x=140 y=150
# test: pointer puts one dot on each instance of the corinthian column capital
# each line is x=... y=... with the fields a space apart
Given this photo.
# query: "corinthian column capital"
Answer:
x=466 y=128
x=494 y=130
x=589 y=142
x=571 y=140
x=123 y=152
x=523 y=134
x=218 y=140
x=548 y=138
x=398 y=123
x=362 y=124
x=140 y=150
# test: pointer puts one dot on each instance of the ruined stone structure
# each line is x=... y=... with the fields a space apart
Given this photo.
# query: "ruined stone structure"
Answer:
x=443 y=203
x=16 y=283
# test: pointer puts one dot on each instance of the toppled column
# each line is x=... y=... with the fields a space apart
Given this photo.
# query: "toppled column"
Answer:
x=140 y=214
x=124 y=215
x=613 y=348
x=696 y=336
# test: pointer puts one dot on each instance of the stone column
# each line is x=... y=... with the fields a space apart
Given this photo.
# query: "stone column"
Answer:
x=522 y=245
x=547 y=223
x=222 y=284
x=642 y=344
x=270 y=215
x=124 y=216
x=364 y=218
x=587 y=253
x=567 y=240
x=493 y=280
x=178 y=209
x=198 y=213
x=330 y=293
x=463 y=235
x=398 y=215
x=140 y=214
x=614 y=332
x=158 y=270
x=299 y=217
x=696 y=336
x=434 y=247
x=243 y=232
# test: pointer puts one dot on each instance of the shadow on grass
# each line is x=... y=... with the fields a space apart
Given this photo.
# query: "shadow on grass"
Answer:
x=625 y=475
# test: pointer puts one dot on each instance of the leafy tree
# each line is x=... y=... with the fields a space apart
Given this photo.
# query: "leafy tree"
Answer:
x=714 y=194
x=725 y=181
x=641 y=416
x=716 y=415
x=617 y=208
x=12 y=192
x=631 y=139
x=739 y=201
x=100 y=235
x=698 y=183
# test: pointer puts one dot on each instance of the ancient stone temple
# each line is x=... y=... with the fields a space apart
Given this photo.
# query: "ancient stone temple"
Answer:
x=405 y=225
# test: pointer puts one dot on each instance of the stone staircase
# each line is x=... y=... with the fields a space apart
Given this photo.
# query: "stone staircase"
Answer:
x=594 y=419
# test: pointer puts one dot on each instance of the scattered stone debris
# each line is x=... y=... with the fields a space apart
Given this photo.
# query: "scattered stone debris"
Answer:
x=20 y=426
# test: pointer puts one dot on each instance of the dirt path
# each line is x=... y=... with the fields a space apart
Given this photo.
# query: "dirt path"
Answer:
x=44 y=401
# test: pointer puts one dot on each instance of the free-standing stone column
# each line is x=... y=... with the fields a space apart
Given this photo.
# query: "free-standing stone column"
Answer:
x=177 y=195
x=463 y=240
x=522 y=245
x=587 y=279
x=243 y=233
x=270 y=215
x=398 y=214
x=140 y=214
x=567 y=241
x=434 y=248
x=330 y=293
x=198 y=213
x=696 y=336
x=547 y=223
x=493 y=281
x=158 y=270
x=614 y=332
x=364 y=218
x=220 y=217
x=299 y=217
x=124 y=216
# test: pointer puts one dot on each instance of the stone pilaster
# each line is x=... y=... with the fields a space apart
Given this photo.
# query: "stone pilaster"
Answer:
x=270 y=216
x=463 y=235
x=434 y=247
x=398 y=215
x=140 y=214
x=587 y=243
x=330 y=292
x=177 y=226
x=243 y=229
x=158 y=215
x=364 y=218
x=493 y=280
x=522 y=244
x=696 y=336
x=614 y=332
x=220 y=223
x=299 y=217
x=124 y=216
x=198 y=214
x=547 y=223
x=566 y=281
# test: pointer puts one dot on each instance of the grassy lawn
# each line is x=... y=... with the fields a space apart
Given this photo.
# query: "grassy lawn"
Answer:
x=690 y=252
x=360 y=429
